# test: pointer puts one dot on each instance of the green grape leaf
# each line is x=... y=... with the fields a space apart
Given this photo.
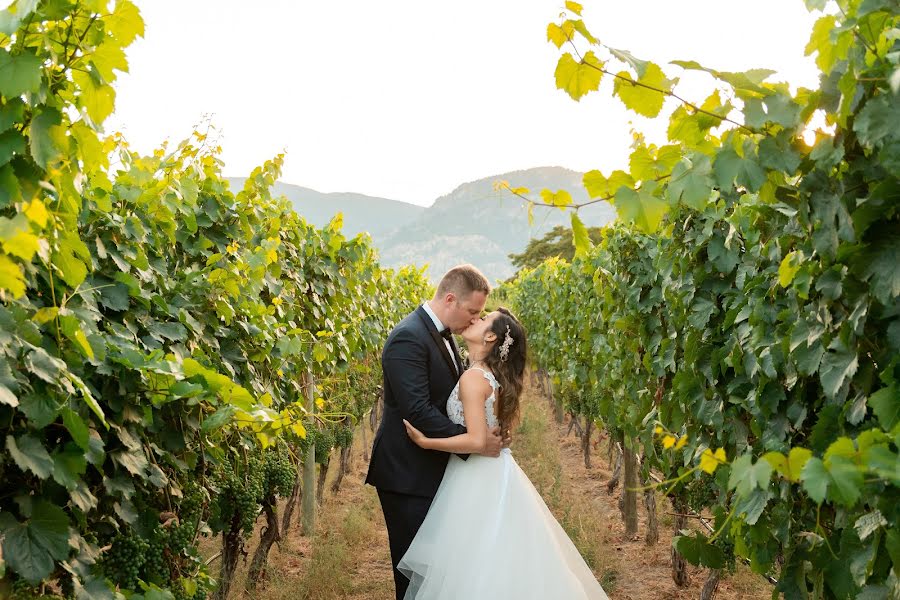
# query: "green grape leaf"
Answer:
x=578 y=78
x=77 y=428
x=753 y=505
x=643 y=209
x=829 y=45
x=7 y=397
x=847 y=479
x=10 y=18
x=11 y=113
x=837 y=365
x=730 y=168
x=639 y=66
x=778 y=108
x=11 y=143
x=31 y=548
x=885 y=404
x=646 y=95
x=19 y=73
x=68 y=465
x=815 y=479
x=698 y=551
x=30 y=455
x=691 y=182
x=883 y=269
x=878 y=119
x=48 y=138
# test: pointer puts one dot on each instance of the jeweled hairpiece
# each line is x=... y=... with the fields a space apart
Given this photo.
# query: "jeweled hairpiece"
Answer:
x=504 y=347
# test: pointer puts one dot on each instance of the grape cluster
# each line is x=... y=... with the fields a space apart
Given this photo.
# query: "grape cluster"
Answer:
x=156 y=567
x=324 y=441
x=191 y=506
x=125 y=559
x=240 y=495
x=200 y=594
x=343 y=437
x=280 y=473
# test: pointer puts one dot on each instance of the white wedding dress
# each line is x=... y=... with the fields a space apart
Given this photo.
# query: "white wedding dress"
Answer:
x=490 y=536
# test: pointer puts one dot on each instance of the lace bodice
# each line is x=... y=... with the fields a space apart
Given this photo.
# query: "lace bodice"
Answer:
x=455 y=405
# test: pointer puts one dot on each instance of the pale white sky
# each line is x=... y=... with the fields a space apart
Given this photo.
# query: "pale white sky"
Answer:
x=407 y=99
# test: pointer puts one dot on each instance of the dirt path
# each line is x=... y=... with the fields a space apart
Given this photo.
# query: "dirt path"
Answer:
x=349 y=557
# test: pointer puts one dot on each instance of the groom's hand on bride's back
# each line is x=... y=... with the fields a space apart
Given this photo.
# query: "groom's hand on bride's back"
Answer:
x=495 y=443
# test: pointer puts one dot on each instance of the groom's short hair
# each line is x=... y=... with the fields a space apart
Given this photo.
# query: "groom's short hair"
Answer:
x=462 y=280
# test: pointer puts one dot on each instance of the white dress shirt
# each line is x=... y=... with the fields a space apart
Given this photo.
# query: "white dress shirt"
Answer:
x=440 y=327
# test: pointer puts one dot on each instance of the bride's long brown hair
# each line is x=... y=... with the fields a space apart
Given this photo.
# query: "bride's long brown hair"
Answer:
x=510 y=373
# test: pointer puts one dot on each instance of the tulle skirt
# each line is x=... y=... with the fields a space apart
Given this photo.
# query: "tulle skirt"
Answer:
x=489 y=535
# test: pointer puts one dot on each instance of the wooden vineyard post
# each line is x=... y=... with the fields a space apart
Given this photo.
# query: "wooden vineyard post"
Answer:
x=308 y=518
x=679 y=564
x=629 y=493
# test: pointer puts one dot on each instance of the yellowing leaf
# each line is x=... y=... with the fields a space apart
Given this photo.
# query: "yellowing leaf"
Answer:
x=789 y=267
x=266 y=399
x=22 y=244
x=11 y=277
x=556 y=35
x=561 y=198
x=125 y=23
x=710 y=461
x=108 y=58
x=646 y=95
x=36 y=213
x=580 y=236
x=298 y=429
x=578 y=78
x=797 y=459
x=45 y=314
x=574 y=7
x=599 y=186
x=82 y=342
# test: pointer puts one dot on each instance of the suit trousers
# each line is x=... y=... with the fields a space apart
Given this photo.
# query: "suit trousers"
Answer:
x=403 y=515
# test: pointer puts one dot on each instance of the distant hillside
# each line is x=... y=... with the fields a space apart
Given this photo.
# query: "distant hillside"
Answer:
x=378 y=216
x=473 y=223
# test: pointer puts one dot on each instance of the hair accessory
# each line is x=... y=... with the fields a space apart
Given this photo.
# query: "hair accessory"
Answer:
x=504 y=348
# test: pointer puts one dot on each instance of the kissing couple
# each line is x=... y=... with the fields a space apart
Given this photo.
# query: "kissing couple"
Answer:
x=464 y=522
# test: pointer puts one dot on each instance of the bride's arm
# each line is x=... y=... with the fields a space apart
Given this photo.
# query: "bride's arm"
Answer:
x=474 y=390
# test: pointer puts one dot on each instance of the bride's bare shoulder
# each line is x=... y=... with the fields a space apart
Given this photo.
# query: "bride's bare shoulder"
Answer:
x=474 y=380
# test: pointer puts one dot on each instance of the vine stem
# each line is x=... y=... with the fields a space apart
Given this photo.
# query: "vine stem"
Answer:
x=669 y=93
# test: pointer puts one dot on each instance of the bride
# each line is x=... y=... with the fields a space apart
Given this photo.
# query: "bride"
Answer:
x=488 y=534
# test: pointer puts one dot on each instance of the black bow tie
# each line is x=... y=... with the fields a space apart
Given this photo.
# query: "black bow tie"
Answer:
x=446 y=334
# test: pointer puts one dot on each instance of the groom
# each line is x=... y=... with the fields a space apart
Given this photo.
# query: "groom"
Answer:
x=421 y=365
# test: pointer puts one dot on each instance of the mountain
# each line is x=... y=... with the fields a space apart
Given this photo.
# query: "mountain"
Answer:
x=474 y=223
x=378 y=216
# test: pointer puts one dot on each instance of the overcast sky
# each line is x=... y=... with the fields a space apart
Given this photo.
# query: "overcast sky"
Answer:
x=406 y=100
